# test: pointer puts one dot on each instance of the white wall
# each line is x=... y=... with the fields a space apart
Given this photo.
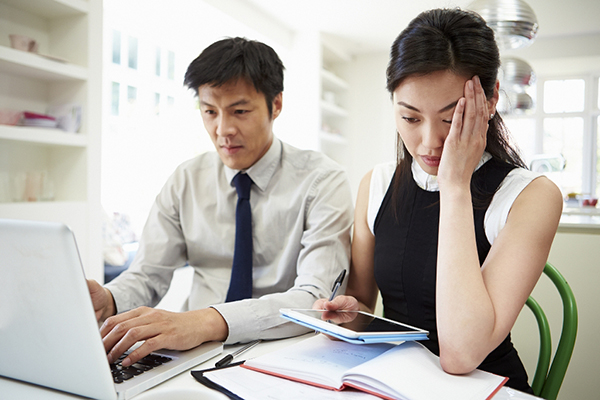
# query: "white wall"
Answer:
x=371 y=130
x=141 y=150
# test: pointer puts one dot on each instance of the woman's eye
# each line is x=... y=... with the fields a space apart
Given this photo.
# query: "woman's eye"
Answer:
x=448 y=121
x=410 y=120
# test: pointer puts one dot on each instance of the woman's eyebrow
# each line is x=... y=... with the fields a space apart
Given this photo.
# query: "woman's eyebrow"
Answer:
x=449 y=107
x=401 y=103
x=443 y=109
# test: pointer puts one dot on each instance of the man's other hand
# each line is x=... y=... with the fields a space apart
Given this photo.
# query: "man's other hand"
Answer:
x=104 y=305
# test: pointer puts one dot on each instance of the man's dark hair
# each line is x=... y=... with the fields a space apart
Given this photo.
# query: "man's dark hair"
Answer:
x=233 y=58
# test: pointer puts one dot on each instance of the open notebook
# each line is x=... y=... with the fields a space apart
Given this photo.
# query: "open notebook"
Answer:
x=405 y=371
x=48 y=330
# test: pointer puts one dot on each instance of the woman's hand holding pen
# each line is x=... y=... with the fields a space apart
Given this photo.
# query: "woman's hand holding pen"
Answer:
x=347 y=303
x=466 y=140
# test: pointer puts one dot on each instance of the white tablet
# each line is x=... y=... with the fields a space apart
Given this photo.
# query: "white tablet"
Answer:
x=354 y=326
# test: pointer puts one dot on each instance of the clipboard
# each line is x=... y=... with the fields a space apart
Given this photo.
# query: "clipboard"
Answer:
x=199 y=376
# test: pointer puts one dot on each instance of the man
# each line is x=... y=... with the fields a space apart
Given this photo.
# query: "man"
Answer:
x=301 y=213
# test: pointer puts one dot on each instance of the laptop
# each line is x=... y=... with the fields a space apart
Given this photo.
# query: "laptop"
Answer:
x=48 y=331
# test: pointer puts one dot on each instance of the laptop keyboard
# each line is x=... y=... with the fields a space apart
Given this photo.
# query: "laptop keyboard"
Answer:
x=121 y=374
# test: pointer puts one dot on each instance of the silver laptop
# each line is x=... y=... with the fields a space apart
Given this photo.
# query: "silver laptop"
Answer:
x=48 y=332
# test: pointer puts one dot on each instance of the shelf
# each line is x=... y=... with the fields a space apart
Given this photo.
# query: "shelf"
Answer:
x=42 y=136
x=333 y=138
x=332 y=81
x=50 y=8
x=30 y=65
x=332 y=110
x=334 y=52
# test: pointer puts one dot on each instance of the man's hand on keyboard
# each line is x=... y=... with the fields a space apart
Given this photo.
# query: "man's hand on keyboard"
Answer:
x=160 y=329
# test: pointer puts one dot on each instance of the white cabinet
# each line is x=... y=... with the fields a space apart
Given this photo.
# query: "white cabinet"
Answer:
x=334 y=92
x=66 y=70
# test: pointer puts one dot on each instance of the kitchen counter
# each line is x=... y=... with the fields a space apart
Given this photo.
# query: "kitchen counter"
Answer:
x=580 y=220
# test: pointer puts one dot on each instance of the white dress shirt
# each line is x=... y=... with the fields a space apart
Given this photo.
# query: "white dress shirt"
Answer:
x=496 y=214
x=301 y=217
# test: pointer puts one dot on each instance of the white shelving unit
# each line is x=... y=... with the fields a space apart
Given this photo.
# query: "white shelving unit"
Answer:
x=66 y=70
x=334 y=90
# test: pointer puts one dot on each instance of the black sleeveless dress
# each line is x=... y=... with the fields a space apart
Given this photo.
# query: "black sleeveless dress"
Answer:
x=405 y=262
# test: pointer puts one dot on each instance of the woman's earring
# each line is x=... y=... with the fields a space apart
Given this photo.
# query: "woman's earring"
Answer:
x=491 y=116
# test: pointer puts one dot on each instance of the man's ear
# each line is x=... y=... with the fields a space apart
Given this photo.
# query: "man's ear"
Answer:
x=277 y=105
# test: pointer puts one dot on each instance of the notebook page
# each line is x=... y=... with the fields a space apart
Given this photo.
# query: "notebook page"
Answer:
x=407 y=372
x=318 y=360
x=252 y=385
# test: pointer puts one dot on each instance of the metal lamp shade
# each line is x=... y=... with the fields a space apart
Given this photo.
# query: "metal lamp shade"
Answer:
x=510 y=102
x=513 y=21
x=516 y=74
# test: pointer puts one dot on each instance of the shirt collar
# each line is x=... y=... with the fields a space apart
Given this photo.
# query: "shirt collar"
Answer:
x=429 y=182
x=262 y=171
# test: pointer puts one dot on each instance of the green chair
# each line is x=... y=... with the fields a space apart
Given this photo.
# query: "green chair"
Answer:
x=548 y=379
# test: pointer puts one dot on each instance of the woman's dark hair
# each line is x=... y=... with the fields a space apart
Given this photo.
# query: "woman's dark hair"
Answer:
x=449 y=40
x=230 y=59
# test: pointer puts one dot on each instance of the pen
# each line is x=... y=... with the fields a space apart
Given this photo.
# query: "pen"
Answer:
x=337 y=284
x=229 y=357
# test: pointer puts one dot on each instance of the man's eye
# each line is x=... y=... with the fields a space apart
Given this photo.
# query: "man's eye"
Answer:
x=209 y=112
x=410 y=120
x=241 y=111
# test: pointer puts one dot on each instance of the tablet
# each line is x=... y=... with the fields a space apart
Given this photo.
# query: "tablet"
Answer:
x=361 y=327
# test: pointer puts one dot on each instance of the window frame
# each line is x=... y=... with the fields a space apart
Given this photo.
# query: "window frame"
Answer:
x=589 y=115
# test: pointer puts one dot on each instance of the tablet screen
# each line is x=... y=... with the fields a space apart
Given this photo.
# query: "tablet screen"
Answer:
x=359 y=321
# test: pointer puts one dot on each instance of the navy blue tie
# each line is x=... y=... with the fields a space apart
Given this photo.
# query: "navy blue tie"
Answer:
x=240 y=286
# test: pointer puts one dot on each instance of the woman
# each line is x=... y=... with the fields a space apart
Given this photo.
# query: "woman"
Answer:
x=456 y=235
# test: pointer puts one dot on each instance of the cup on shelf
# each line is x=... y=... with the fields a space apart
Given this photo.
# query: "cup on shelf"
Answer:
x=5 y=194
x=26 y=186
x=19 y=181
x=24 y=43
x=46 y=187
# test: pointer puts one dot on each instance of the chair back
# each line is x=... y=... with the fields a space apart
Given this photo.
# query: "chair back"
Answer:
x=548 y=377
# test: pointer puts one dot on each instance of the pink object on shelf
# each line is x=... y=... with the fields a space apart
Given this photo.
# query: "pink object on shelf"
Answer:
x=32 y=115
x=39 y=120
x=10 y=117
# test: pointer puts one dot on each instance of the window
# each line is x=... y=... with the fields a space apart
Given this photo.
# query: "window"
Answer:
x=157 y=103
x=116 y=89
x=131 y=99
x=133 y=53
x=564 y=124
x=565 y=136
x=116 y=47
x=564 y=96
x=171 y=66
x=157 y=68
x=598 y=153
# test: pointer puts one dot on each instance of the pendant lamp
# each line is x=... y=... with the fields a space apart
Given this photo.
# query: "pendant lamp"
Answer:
x=513 y=21
x=516 y=74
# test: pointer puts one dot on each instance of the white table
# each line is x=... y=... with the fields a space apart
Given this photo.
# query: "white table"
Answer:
x=184 y=386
